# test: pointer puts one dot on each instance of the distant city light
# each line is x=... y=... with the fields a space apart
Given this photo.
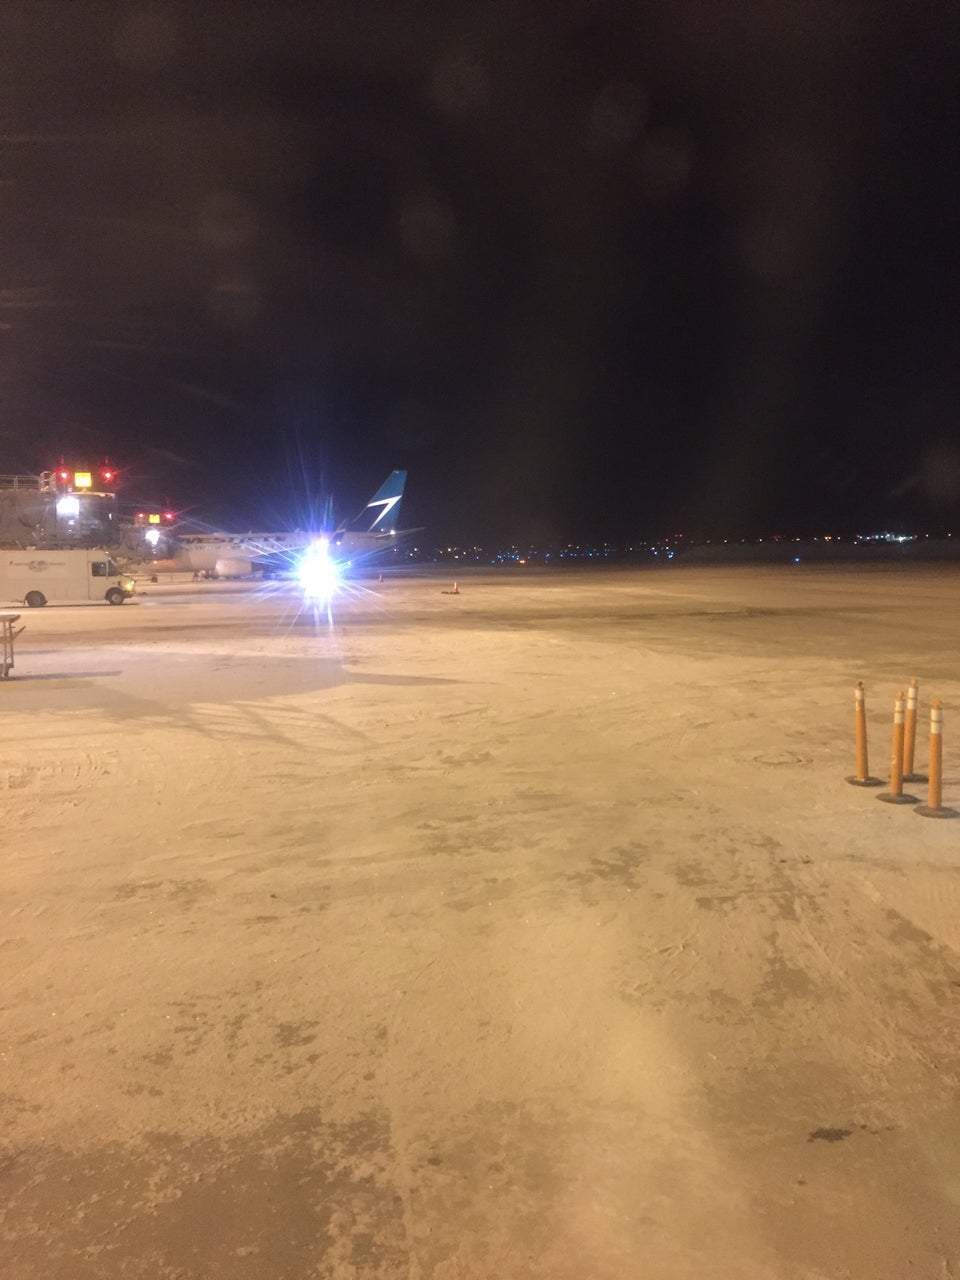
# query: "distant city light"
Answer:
x=887 y=537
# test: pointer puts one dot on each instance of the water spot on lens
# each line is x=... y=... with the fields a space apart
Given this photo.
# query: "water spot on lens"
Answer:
x=226 y=220
x=145 y=38
x=619 y=112
x=459 y=86
x=234 y=302
x=426 y=227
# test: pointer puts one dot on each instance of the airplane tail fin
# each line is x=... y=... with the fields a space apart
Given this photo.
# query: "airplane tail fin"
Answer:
x=382 y=511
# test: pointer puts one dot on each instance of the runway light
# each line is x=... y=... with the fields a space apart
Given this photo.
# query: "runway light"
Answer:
x=317 y=571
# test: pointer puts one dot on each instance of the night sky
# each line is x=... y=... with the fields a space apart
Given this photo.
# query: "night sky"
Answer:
x=587 y=270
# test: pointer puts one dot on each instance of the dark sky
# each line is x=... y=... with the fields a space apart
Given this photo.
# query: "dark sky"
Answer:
x=586 y=269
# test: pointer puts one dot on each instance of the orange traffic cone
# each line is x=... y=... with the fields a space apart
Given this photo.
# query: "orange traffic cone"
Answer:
x=455 y=591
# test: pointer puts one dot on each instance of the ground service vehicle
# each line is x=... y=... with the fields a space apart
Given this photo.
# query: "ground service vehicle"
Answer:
x=36 y=577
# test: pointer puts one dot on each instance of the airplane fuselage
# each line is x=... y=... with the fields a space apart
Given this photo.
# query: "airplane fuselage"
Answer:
x=210 y=553
x=238 y=555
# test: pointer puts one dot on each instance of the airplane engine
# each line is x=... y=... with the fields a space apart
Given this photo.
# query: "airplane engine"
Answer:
x=230 y=567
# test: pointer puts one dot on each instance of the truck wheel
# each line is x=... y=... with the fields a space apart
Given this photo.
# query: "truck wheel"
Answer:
x=35 y=599
x=115 y=596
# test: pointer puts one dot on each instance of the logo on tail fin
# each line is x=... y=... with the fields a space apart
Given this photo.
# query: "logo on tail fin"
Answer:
x=385 y=502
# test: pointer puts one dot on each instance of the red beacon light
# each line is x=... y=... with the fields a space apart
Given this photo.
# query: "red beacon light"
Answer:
x=63 y=474
x=168 y=515
x=108 y=474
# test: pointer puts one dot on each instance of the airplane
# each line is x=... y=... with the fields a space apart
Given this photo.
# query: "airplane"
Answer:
x=228 y=555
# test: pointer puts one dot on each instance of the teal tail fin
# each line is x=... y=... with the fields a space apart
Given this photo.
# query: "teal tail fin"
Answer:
x=381 y=513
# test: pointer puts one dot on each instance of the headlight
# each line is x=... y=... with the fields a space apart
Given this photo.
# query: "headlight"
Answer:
x=317 y=571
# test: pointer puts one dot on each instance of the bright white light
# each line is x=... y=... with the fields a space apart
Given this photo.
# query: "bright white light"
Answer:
x=317 y=571
x=68 y=506
x=152 y=536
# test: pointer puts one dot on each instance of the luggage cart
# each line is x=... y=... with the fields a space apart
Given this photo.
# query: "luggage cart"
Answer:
x=10 y=634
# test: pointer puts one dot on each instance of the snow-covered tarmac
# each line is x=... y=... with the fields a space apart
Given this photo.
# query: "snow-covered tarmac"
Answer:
x=527 y=932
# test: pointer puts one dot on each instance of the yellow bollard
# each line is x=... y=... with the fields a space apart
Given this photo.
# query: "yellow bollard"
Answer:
x=862 y=777
x=895 y=794
x=934 y=808
x=910 y=736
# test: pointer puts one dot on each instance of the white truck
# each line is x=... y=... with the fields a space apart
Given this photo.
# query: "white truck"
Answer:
x=36 y=577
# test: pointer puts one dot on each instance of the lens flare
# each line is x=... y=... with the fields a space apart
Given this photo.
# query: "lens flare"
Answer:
x=317 y=571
